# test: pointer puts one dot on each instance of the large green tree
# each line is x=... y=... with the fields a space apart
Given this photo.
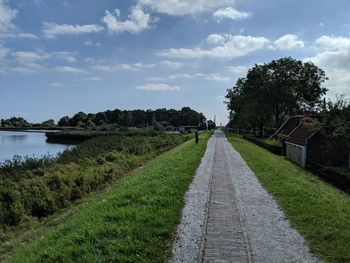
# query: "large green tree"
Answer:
x=272 y=91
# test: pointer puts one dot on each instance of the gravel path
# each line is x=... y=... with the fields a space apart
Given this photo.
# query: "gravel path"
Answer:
x=224 y=178
x=187 y=245
x=271 y=237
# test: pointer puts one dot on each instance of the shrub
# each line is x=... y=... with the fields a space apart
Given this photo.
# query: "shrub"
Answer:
x=39 y=187
x=275 y=149
x=339 y=177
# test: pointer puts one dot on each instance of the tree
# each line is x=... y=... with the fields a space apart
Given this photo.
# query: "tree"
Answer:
x=48 y=123
x=77 y=119
x=336 y=126
x=15 y=122
x=64 y=121
x=272 y=91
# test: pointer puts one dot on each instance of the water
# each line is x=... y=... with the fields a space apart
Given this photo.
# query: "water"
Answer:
x=31 y=144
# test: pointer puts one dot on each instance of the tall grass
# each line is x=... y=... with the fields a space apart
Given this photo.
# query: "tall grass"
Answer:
x=135 y=221
x=39 y=187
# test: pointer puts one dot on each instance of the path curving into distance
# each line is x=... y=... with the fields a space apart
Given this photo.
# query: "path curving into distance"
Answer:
x=229 y=216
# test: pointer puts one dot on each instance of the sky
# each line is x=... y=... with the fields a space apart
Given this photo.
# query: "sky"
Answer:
x=61 y=57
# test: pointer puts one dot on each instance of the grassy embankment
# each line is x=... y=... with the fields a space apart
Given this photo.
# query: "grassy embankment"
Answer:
x=33 y=189
x=135 y=221
x=320 y=212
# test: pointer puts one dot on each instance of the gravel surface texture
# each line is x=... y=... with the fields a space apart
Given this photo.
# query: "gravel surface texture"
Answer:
x=271 y=237
x=187 y=245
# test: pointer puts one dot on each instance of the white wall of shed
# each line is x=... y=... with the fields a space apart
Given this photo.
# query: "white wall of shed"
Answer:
x=296 y=153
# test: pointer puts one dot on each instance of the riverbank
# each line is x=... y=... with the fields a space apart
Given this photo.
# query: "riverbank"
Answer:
x=33 y=129
x=135 y=221
x=34 y=189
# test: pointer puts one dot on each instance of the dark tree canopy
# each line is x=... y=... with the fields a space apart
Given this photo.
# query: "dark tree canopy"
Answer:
x=14 y=122
x=136 y=118
x=272 y=91
x=336 y=124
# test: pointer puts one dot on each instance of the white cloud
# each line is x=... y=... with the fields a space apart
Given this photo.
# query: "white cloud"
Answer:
x=334 y=57
x=209 y=77
x=17 y=34
x=65 y=55
x=289 y=42
x=230 y=13
x=184 y=7
x=140 y=65
x=93 y=44
x=333 y=43
x=95 y=79
x=182 y=76
x=172 y=64
x=3 y=52
x=6 y=16
x=218 y=78
x=226 y=47
x=56 y=84
x=26 y=68
x=238 y=71
x=128 y=67
x=7 y=28
x=156 y=79
x=158 y=87
x=36 y=56
x=51 y=30
x=68 y=69
x=30 y=56
x=29 y=62
x=136 y=22
x=216 y=39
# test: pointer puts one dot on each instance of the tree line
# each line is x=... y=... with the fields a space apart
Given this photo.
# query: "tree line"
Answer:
x=119 y=118
x=136 y=118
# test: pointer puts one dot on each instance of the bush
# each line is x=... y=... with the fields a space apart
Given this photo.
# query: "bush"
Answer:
x=275 y=149
x=339 y=177
x=39 y=187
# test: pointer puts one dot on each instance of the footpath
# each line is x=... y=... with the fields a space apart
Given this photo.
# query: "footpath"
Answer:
x=229 y=216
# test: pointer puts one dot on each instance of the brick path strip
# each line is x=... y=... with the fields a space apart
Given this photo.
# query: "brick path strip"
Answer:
x=225 y=240
x=230 y=217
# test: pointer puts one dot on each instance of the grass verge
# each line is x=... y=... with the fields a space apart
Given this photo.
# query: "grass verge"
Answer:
x=320 y=212
x=132 y=222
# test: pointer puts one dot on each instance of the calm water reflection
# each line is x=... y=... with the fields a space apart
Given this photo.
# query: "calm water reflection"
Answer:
x=26 y=144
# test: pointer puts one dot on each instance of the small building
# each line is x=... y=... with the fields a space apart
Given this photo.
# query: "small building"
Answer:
x=296 y=141
x=287 y=127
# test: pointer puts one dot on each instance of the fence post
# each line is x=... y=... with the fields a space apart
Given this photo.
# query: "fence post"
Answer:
x=196 y=136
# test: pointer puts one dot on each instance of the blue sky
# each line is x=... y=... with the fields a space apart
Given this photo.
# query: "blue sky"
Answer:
x=61 y=57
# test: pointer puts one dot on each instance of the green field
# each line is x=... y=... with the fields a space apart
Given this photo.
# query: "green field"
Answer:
x=134 y=221
x=320 y=212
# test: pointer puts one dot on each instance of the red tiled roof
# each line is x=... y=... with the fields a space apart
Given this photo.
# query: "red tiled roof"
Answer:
x=288 y=126
x=303 y=132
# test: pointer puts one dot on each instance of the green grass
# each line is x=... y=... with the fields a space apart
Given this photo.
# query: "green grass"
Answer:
x=320 y=212
x=132 y=222
x=272 y=142
x=39 y=187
